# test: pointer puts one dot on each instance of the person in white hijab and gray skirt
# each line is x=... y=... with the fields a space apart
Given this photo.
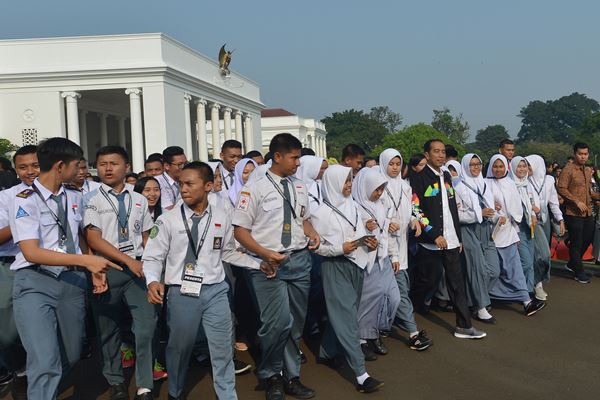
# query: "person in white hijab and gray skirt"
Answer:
x=381 y=296
x=345 y=257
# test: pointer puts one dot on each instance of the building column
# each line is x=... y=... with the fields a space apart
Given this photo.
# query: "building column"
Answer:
x=122 y=136
x=324 y=140
x=311 y=141
x=216 y=129
x=201 y=134
x=248 y=139
x=103 y=129
x=227 y=122
x=188 y=125
x=83 y=132
x=72 y=116
x=137 y=134
x=238 y=128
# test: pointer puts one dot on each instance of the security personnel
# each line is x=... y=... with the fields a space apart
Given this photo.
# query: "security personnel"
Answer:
x=189 y=244
x=49 y=287
x=174 y=159
x=12 y=355
x=117 y=224
x=271 y=222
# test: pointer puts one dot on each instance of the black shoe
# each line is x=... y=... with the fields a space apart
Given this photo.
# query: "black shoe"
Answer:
x=569 y=268
x=333 y=363
x=174 y=398
x=370 y=385
x=6 y=377
x=582 y=277
x=296 y=389
x=240 y=367
x=86 y=350
x=303 y=358
x=368 y=352
x=385 y=333
x=534 y=306
x=275 y=388
x=19 y=388
x=491 y=321
x=144 y=396
x=378 y=346
x=420 y=341
x=119 y=392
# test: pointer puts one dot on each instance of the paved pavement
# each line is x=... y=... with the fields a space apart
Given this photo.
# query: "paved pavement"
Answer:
x=552 y=355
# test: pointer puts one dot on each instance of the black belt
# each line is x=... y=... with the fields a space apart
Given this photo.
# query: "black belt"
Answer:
x=38 y=268
x=7 y=259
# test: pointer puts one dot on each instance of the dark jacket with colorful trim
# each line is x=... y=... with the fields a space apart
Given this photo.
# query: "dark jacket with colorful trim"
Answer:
x=427 y=204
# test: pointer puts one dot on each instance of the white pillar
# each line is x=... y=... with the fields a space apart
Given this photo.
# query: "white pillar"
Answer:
x=248 y=139
x=72 y=116
x=188 y=125
x=311 y=141
x=227 y=122
x=137 y=134
x=201 y=120
x=216 y=129
x=238 y=128
x=83 y=132
x=122 y=138
x=325 y=146
x=103 y=130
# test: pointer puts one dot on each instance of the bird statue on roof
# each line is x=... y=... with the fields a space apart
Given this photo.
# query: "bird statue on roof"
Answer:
x=224 y=60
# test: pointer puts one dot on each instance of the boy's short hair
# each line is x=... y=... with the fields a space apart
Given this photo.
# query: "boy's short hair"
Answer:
x=203 y=169
x=284 y=143
x=112 y=149
x=53 y=150
x=22 y=151
x=352 y=150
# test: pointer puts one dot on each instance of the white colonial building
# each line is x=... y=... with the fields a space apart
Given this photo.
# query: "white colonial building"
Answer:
x=143 y=91
x=311 y=132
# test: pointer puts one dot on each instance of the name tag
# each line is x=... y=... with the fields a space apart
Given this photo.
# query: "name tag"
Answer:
x=217 y=243
x=191 y=283
x=127 y=248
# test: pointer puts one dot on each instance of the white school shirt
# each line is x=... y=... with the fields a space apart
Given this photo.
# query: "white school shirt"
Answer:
x=169 y=190
x=548 y=200
x=449 y=232
x=31 y=219
x=168 y=245
x=7 y=196
x=402 y=215
x=100 y=214
x=89 y=186
x=386 y=247
x=260 y=210
x=227 y=175
x=508 y=233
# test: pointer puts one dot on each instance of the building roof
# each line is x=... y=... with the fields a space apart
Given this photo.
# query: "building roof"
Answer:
x=275 y=112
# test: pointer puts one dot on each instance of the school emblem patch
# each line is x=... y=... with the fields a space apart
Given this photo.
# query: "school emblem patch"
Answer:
x=244 y=201
x=21 y=213
x=25 y=193
x=154 y=232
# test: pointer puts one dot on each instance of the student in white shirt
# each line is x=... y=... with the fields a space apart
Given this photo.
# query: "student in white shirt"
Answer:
x=231 y=154
x=242 y=171
x=173 y=161
x=218 y=197
x=511 y=285
x=310 y=172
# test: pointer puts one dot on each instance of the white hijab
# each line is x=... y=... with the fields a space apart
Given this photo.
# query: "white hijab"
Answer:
x=220 y=198
x=522 y=187
x=307 y=172
x=365 y=183
x=504 y=188
x=398 y=191
x=476 y=183
x=238 y=184
x=538 y=167
x=469 y=185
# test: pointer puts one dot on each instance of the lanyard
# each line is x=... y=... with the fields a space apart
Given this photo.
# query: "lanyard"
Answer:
x=316 y=198
x=125 y=226
x=373 y=217
x=192 y=244
x=539 y=192
x=337 y=211
x=289 y=203
x=63 y=228
x=170 y=188
x=479 y=195
x=396 y=206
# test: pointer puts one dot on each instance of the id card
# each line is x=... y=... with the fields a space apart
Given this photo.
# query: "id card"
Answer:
x=191 y=283
x=127 y=248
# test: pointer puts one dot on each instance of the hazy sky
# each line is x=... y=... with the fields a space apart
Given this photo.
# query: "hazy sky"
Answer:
x=484 y=59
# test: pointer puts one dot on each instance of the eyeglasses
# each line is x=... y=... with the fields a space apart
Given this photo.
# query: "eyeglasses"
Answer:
x=478 y=165
x=178 y=165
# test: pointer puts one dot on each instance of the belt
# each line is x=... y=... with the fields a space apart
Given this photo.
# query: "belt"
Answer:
x=7 y=259
x=38 y=268
x=293 y=251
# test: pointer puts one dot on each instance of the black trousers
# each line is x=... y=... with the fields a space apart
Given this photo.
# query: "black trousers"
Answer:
x=581 y=235
x=428 y=273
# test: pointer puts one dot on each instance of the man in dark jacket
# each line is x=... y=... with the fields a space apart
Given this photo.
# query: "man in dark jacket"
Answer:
x=434 y=203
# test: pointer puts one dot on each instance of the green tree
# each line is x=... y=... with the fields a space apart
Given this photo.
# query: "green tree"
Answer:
x=454 y=128
x=487 y=140
x=411 y=139
x=556 y=120
x=7 y=147
x=352 y=126
x=386 y=117
x=550 y=151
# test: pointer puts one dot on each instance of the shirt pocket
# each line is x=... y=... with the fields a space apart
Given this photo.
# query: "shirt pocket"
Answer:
x=272 y=205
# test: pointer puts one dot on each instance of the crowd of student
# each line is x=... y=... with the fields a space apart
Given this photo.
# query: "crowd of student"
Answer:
x=246 y=251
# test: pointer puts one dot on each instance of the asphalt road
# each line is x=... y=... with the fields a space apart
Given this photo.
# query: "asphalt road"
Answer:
x=552 y=355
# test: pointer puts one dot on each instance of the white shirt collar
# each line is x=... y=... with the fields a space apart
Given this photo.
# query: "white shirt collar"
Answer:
x=44 y=191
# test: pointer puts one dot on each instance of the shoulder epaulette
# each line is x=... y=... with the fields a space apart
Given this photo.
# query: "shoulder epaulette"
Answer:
x=71 y=186
x=25 y=193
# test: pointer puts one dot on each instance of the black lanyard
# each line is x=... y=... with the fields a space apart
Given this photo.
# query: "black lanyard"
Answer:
x=124 y=227
x=61 y=226
x=338 y=212
x=192 y=244
x=539 y=192
x=373 y=217
x=170 y=188
x=396 y=206
x=316 y=198
x=289 y=203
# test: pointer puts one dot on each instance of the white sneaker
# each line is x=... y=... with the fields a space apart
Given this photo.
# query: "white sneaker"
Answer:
x=470 y=333
x=540 y=293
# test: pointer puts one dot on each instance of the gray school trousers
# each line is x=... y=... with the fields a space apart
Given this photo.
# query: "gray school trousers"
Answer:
x=12 y=355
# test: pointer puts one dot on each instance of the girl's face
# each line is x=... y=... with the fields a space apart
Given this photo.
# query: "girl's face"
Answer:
x=522 y=169
x=394 y=167
x=151 y=192
x=247 y=171
x=475 y=167
x=377 y=193
x=324 y=166
x=453 y=172
x=498 y=169
x=218 y=186
x=420 y=165
x=347 y=189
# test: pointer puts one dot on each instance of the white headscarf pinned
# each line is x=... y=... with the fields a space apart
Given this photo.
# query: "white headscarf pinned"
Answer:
x=506 y=188
x=238 y=184
x=309 y=169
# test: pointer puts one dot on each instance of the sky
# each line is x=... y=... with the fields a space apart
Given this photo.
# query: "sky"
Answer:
x=483 y=59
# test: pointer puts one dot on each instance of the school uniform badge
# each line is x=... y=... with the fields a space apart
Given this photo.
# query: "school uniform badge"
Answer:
x=25 y=193
x=217 y=243
x=154 y=232
x=21 y=213
x=244 y=201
